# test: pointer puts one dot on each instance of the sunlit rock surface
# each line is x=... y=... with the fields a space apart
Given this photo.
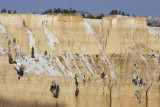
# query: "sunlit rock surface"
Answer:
x=117 y=56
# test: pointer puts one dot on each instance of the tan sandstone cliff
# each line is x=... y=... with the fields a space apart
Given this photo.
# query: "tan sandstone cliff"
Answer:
x=124 y=48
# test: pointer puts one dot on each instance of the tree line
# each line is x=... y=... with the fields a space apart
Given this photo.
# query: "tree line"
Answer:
x=8 y=11
x=116 y=12
x=58 y=10
x=72 y=11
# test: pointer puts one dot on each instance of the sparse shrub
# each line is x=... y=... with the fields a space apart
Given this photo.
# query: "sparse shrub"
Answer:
x=76 y=81
x=83 y=15
x=77 y=55
x=32 y=53
x=140 y=82
x=14 y=40
x=134 y=81
x=103 y=75
x=45 y=53
x=10 y=59
x=9 y=42
x=24 y=23
x=149 y=24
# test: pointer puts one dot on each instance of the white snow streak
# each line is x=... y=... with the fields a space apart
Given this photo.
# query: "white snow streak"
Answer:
x=84 y=66
x=51 y=38
x=85 y=59
x=31 y=40
x=143 y=58
x=156 y=62
x=94 y=64
x=110 y=66
x=2 y=29
x=68 y=64
x=88 y=28
x=60 y=66
x=75 y=64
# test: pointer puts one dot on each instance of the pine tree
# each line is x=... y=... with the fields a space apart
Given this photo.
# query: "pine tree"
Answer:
x=83 y=15
x=115 y=12
x=3 y=10
x=15 y=12
x=123 y=13
x=9 y=11
x=45 y=53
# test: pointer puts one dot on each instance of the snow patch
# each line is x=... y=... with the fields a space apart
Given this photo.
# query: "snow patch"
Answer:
x=88 y=28
x=120 y=16
x=2 y=29
x=15 y=45
x=51 y=38
x=152 y=31
x=80 y=58
x=31 y=40
x=110 y=66
x=75 y=64
x=1 y=47
x=38 y=64
x=156 y=62
x=2 y=50
x=62 y=67
x=144 y=59
x=68 y=64
x=106 y=76
x=94 y=64
x=85 y=59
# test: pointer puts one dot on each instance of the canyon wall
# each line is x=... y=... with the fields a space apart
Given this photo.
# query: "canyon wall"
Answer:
x=123 y=48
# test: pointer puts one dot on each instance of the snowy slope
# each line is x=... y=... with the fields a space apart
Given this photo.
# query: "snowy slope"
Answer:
x=38 y=64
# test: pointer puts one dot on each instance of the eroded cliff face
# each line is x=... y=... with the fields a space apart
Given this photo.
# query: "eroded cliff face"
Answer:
x=114 y=34
x=117 y=56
